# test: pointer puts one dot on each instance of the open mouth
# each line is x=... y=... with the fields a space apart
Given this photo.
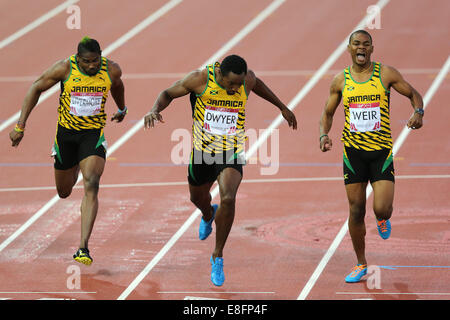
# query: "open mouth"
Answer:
x=360 y=57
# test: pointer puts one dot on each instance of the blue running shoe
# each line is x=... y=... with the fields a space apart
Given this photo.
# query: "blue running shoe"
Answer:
x=384 y=228
x=357 y=273
x=205 y=228
x=217 y=275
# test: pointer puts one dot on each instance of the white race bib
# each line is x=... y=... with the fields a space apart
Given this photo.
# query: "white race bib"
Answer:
x=85 y=104
x=365 y=117
x=220 y=121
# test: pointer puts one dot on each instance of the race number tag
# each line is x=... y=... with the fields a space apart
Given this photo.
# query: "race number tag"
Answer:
x=365 y=117
x=85 y=104
x=220 y=121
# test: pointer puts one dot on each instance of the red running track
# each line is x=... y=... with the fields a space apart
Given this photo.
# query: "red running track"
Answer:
x=283 y=227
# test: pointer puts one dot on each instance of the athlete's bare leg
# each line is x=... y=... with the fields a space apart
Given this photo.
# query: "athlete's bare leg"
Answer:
x=65 y=180
x=201 y=198
x=229 y=181
x=356 y=194
x=383 y=198
x=92 y=168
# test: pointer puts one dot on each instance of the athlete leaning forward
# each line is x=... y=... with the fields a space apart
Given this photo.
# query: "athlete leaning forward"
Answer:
x=86 y=78
x=218 y=95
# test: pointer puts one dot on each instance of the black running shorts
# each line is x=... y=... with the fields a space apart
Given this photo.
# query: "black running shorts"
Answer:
x=363 y=166
x=72 y=146
x=205 y=168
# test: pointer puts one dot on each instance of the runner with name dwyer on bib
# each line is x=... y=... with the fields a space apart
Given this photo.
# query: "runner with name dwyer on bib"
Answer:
x=364 y=88
x=218 y=96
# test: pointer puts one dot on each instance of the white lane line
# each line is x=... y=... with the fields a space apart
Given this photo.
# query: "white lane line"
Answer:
x=183 y=183
x=113 y=46
x=36 y=23
x=426 y=100
x=398 y=143
x=141 y=26
x=232 y=42
x=245 y=31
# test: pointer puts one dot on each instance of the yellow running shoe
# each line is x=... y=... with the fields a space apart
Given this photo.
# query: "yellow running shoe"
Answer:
x=82 y=256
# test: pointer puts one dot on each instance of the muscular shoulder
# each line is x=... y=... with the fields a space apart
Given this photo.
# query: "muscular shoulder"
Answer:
x=250 y=80
x=196 y=80
x=389 y=75
x=338 y=82
x=384 y=68
x=60 y=70
x=114 y=70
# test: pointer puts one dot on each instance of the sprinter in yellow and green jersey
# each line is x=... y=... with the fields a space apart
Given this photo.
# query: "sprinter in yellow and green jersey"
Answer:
x=86 y=78
x=218 y=96
x=364 y=88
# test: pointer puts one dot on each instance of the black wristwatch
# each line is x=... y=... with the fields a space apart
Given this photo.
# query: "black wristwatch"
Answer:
x=419 y=111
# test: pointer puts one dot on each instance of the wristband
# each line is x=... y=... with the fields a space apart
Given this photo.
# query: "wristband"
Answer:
x=124 y=111
x=19 y=128
x=324 y=135
x=419 y=111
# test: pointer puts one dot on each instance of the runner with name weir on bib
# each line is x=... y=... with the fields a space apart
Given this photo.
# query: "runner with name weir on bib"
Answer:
x=366 y=107
x=368 y=156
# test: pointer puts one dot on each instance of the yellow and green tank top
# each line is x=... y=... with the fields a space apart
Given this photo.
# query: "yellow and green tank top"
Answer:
x=83 y=97
x=366 y=107
x=218 y=118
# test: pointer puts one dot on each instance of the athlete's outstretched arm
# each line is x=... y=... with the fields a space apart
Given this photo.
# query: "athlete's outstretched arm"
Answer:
x=190 y=83
x=253 y=83
x=117 y=90
x=394 y=79
x=57 y=72
x=326 y=121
